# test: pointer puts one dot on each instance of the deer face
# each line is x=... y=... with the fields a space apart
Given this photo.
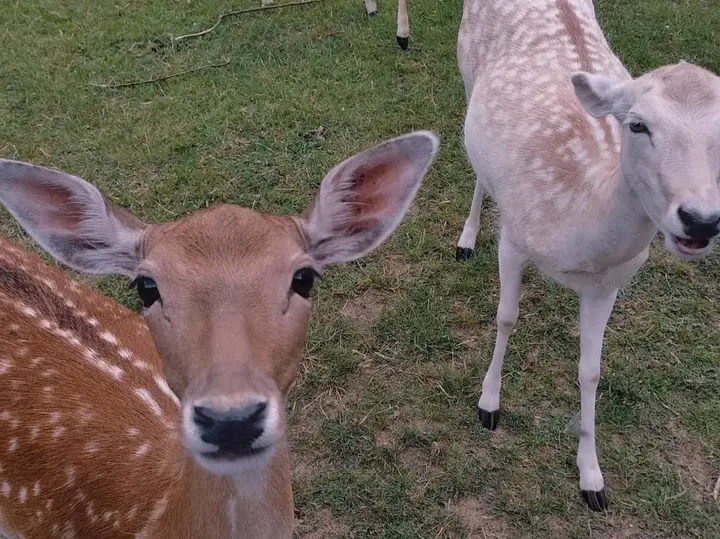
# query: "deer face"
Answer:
x=226 y=290
x=670 y=148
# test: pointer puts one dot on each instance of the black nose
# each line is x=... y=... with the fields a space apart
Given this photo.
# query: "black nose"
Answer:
x=233 y=430
x=699 y=227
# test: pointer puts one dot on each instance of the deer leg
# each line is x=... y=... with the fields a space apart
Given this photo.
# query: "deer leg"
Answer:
x=371 y=7
x=511 y=263
x=595 y=311
x=403 y=25
x=466 y=244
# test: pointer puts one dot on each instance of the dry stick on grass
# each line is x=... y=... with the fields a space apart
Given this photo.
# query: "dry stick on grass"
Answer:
x=158 y=79
x=716 y=490
x=229 y=14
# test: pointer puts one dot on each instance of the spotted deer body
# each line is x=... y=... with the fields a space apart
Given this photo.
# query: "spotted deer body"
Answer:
x=169 y=425
x=585 y=165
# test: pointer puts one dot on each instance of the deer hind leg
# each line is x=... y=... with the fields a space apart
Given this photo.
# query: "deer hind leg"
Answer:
x=371 y=7
x=511 y=263
x=403 y=25
x=466 y=244
x=595 y=309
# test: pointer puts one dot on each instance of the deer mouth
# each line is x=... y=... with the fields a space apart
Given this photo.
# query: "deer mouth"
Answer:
x=690 y=246
x=238 y=453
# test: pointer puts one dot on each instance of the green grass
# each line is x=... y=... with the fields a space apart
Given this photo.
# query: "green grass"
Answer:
x=383 y=427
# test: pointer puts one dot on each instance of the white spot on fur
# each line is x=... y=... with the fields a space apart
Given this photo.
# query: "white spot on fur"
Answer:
x=34 y=432
x=13 y=444
x=109 y=337
x=157 y=512
x=55 y=417
x=28 y=311
x=6 y=489
x=22 y=495
x=142 y=450
x=125 y=353
x=59 y=431
x=145 y=396
x=91 y=447
x=70 y=472
x=36 y=488
x=5 y=365
x=165 y=388
x=133 y=431
x=96 y=361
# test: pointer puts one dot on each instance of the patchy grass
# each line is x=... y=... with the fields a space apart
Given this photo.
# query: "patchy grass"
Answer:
x=383 y=424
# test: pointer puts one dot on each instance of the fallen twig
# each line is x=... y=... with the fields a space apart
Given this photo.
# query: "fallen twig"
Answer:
x=229 y=14
x=716 y=490
x=158 y=79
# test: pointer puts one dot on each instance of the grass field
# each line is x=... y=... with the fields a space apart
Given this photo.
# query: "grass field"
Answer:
x=383 y=424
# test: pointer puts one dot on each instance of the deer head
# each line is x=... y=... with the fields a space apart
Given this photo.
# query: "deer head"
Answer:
x=225 y=290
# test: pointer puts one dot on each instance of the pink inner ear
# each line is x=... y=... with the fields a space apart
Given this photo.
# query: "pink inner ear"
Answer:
x=59 y=209
x=379 y=187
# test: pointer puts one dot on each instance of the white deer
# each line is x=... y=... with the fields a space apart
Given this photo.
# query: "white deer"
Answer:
x=105 y=437
x=585 y=165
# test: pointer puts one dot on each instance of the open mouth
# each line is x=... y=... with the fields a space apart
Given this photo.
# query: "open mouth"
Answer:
x=690 y=246
x=235 y=454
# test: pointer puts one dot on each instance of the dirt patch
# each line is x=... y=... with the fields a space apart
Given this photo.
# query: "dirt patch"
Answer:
x=479 y=520
x=365 y=309
x=323 y=525
x=384 y=439
x=692 y=460
x=398 y=266
x=627 y=528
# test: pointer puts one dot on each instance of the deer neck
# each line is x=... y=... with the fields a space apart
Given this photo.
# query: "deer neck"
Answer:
x=620 y=228
x=251 y=505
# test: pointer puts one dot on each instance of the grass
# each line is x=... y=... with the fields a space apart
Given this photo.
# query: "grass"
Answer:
x=383 y=427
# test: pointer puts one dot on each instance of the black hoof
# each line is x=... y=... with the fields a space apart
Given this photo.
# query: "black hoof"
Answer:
x=489 y=420
x=403 y=42
x=463 y=253
x=372 y=13
x=595 y=500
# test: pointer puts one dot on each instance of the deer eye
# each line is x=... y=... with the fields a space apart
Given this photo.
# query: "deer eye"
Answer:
x=147 y=289
x=303 y=281
x=639 y=127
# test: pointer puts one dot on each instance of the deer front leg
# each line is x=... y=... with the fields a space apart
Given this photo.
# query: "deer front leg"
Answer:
x=595 y=309
x=511 y=263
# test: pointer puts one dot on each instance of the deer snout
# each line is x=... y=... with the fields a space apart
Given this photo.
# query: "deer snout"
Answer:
x=233 y=431
x=699 y=227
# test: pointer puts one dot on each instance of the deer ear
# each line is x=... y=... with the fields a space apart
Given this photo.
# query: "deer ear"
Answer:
x=362 y=200
x=600 y=95
x=70 y=219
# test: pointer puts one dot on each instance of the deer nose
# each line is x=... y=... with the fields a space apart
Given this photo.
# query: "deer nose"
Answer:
x=699 y=227
x=232 y=430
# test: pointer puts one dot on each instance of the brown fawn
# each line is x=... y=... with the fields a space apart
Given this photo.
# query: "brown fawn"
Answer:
x=171 y=426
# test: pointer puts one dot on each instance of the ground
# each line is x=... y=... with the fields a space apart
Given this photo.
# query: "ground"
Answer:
x=383 y=427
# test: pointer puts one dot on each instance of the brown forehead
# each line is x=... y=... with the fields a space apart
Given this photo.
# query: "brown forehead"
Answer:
x=224 y=236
